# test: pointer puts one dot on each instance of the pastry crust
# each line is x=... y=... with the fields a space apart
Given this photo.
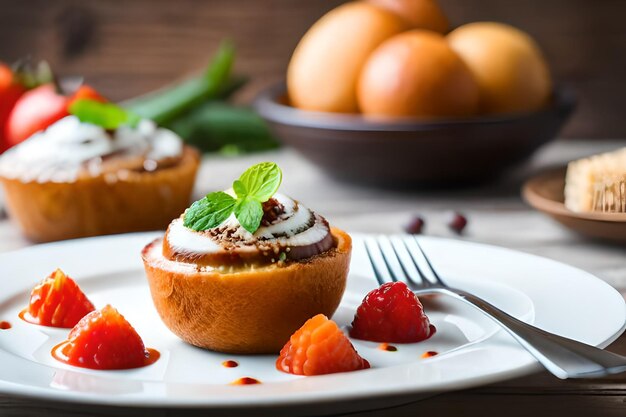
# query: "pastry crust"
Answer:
x=252 y=311
x=105 y=204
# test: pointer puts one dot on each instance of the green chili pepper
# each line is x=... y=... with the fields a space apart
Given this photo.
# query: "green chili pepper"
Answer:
x=218 y=126
x=166 y=104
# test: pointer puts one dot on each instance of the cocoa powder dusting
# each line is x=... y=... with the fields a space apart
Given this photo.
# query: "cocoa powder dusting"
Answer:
x=272 y=210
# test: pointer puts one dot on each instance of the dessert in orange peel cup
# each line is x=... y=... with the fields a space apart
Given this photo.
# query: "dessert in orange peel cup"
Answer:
x=241 y=270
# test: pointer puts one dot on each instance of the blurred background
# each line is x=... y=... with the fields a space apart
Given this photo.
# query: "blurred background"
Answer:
x=125 y=48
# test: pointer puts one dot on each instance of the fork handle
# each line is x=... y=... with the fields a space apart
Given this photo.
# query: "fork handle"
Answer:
x=563 y=357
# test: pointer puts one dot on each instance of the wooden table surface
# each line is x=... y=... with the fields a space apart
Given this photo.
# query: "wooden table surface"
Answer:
x=496 y=215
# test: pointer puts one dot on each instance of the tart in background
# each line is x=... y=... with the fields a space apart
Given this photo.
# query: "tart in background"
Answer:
x=78 y=179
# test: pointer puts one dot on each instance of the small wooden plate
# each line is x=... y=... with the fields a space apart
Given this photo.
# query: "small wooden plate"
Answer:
x=545 y=193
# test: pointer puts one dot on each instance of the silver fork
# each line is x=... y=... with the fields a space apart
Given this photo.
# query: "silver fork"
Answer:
x=563 y=357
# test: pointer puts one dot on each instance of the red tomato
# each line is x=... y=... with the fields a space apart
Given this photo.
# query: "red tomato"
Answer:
x=36 y=110
x=39 y=108
x=10 y=92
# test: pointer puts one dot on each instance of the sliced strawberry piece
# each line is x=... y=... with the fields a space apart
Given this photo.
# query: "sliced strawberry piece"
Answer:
x=103 y=339
x=57 y=302
x=319 y=347
x=391 y=313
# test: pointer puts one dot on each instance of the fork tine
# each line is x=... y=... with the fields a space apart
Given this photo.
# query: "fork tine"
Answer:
x=401 y=261
x=430 y=266
x=377 y=272
x=392 y=274
x=423 y=280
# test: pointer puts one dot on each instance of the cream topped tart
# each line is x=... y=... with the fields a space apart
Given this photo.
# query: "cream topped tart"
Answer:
x=241 y=269
x=288 y=231
x=80 y=178
x=70 y=149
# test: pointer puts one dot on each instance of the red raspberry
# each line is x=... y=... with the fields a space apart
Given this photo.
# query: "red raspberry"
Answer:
x=392 y=314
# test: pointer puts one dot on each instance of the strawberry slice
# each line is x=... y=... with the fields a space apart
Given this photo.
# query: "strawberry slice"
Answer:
x=57 y=302
x=391 y=313
x=319 y=347
x=103 y=339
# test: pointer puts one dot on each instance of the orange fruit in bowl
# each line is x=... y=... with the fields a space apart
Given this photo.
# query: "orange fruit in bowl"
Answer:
x=508 y=65
x=423 y=14
x=417 y=74
x=326 y=63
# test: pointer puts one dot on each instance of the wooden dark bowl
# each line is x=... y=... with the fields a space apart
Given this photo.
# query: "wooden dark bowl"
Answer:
x=408 y=151
x=545 y=193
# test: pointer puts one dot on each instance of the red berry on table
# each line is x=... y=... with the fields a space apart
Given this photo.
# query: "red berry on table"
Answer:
x=57 y=302
x=103 y=339
x=457 y=222
x=391 y=313
x=415 y=226
x=319 y=347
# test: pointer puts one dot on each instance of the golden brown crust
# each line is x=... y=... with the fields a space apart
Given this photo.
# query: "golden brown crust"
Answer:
x=103 y=204
x=247 y=312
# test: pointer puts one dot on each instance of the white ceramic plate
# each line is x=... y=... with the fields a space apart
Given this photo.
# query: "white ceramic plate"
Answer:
x=471 y=350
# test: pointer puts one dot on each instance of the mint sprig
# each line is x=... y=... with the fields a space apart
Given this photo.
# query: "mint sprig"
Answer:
x=106 y=115
x=249 y=212
x=255 y=186
x=210 y=211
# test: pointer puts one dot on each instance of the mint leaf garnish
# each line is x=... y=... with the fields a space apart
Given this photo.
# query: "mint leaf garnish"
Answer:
x=106 y=115
x=249 y=212
x=261 y=181
x=255 y=186
x=209 y=212
x=240 y=189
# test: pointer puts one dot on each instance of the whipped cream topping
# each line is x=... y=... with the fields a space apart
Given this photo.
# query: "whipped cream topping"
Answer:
x=296 y=231
x=69 y=147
